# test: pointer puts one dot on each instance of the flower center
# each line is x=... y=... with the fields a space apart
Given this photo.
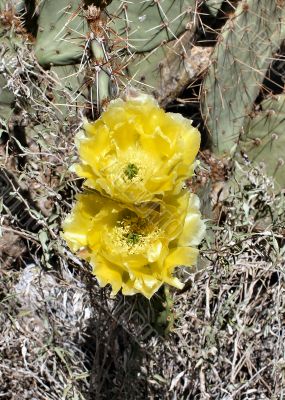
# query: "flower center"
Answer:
x=131 y=171
x=133 y=234
x=134 y=168
x=133 y=238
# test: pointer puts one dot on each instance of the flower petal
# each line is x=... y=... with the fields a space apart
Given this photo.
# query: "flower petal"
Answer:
x=160 y=146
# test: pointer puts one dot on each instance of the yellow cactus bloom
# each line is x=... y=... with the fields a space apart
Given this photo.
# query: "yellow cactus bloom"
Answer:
x=136 y=152
x=135 y=248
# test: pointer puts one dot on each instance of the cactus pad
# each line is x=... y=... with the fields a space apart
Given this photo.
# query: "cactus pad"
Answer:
x=264 y=140
x=61 y=33
x=239 y=64
x=165 y=72
x=143 y=25
x=6 y=100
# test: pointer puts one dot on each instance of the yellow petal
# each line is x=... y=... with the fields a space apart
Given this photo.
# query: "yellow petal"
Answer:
x=162 y=146
x=76 y=226
x=180 y=256
x=147 y=285
x=172 y=281
x=154 y=251
x=84 y=171
x=193 y=231
x=106 y=273
x=97 y=146
x=194 y=228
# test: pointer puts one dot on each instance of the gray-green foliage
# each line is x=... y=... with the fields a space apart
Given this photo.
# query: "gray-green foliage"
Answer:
x=264 y=140
x=239 y=63
x=146 y=36
x=6 y=101
x=138 y=31
x=147 y=70
x=63 y=39
x=62 y=31
x=9 y=43
x=167 y=70
x=144 y=25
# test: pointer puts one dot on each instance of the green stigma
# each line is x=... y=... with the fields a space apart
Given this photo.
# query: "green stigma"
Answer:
x=133 y=238
x=131 y=171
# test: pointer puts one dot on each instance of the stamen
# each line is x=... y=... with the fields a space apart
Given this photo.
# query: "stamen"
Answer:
x=134 y=235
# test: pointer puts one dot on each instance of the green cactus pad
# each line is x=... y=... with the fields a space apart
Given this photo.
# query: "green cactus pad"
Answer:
x=167 y=70
x=10 y=44
x=239 y=64
x=61 y=33
x=6 y=100
x=264 y=138
x=143 y=25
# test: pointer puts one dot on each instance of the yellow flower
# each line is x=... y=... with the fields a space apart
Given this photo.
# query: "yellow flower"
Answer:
x=135 y=248
x=136 y=152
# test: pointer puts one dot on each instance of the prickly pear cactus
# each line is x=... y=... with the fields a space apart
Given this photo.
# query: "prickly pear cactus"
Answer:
x=138 y=39
x=62 y=31
x=239 y=63
x=153 y=44
x=6 y=101
x=144 y=25
x=264 y=138
x=9 y=45
x=166 y=71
